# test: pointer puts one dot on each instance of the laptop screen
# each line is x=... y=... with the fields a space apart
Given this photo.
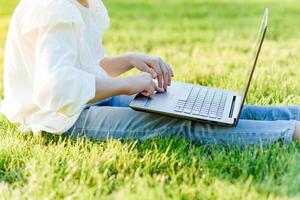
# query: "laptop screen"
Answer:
x=254 y=56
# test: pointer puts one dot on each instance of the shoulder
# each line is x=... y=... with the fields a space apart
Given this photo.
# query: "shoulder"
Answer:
x=34 y=14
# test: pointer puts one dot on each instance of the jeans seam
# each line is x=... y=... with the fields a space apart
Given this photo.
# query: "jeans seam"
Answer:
x=118 y=130
x=287 y=135
x=173 y=128
x=158 y=130
x=239 y=132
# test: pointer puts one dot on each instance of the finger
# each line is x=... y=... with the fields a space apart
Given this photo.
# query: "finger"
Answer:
x=145 y=93
x=149 y=70
x=169 y=73
x=156 y=67
x=165 y=75
x=160 y=90
x=166 y=72
x=149 y=91
x=172 y=72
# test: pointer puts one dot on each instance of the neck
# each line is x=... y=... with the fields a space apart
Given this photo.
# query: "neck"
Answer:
x=84 y=3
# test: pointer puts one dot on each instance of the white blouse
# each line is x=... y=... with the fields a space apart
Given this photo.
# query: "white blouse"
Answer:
x=52 y=56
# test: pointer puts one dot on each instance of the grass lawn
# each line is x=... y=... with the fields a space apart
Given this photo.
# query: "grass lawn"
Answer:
x=207 y=42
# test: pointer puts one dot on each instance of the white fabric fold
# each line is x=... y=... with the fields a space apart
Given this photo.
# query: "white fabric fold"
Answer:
x=48 y=12
x=51 y=64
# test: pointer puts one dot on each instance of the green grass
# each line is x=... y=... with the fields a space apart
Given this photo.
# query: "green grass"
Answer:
x=206 y=42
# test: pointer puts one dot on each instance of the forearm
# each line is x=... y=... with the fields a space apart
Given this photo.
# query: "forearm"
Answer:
x=116 y=65
x=109 y=87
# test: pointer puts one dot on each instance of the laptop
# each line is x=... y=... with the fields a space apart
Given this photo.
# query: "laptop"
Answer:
x=201 y=103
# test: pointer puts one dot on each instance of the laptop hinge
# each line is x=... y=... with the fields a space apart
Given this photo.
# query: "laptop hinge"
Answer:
x=235 y=107
x=232 y=107
x=238 y=106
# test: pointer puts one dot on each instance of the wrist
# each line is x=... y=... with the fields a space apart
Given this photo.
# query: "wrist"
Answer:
x=128 y=58
x=125 y=86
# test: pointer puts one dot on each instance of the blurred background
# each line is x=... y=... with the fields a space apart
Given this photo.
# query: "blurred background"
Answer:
x=207 y=41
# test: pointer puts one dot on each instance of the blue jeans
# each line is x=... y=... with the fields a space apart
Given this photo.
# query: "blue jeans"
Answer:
x=112 y=118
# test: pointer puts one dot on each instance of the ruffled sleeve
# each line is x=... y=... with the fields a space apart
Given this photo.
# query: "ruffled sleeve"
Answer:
x=59 y=84
x=49 y=12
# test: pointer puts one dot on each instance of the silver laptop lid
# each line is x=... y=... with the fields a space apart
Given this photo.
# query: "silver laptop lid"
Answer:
x=254 y=57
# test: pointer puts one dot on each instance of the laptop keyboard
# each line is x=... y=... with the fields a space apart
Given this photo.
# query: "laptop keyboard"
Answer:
x=204 y=102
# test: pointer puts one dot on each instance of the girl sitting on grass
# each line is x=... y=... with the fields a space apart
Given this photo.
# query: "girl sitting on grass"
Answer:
x=57 y=79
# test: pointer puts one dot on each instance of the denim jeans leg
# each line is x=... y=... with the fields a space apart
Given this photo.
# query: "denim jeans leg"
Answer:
x=121 y=101
x=271 y=113
x=100 y=123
